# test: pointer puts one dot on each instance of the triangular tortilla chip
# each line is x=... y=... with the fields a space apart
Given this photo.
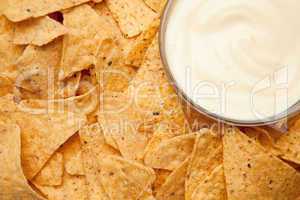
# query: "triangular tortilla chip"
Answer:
x=85 y=36
x=38 y=69
x=12 y=181
x=42 y=135
x=52 y=172
x=206 y=156
x=123 y=179
x=253 y=173
x=212 y=187
x=73 y=187
x=18 y=10
x=132 y=16
x=139 y=48
x=38 y=31
x=72 y=156
x=157 y=5
x=112 y=75
x=93 y=147
x=170 y=153
x=173 y=188
x=289 y=146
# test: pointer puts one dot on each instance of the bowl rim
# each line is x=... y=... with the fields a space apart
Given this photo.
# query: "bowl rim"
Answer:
x=290 y=112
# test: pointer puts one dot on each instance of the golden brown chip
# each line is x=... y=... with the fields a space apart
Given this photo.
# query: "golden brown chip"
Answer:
x=73 y=187
x=253 y=173
x=9 y=52
x=170 y=153
x=123 y=179
x=212 y=187
x=85 y=36
x=18 y=10
x=12 y=181
x=111 y=73
x=161 y=177
x=173 y=187
x=6 y=86
x=93 y=147
x=138 y=50
x=157 y=5
x=39 y=31
x=7 y=104
x=132 y=16
x=52 y=172
x=38 y=69
x=130 y=118
x=289 y=146
x=206 y=156
x=42 y=134
x=71 y=151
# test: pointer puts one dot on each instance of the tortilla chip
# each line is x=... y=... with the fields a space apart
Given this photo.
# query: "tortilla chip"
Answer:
x=39 y=31
x=173 y=187
x=42 y=134
x=170 y=153
x=9 y=52
x=38 y=69
x=93 y=147
x=132 y=16
x=85 y=36
x=213 y=186
x=112 y=75
x=18 y=10
x=7 y=104
x=73 y=187
x=6 y=86
x=253 y=173
x=161 y=176
x=157 y=5
x=130 y=118
x=139 y=48
x=52 y=172
x=72 y=156
x=123 y=179
x=206 y=156
x=12 y=181
x=289 y=146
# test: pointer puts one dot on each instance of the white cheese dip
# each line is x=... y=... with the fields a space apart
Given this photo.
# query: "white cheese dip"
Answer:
x=239 y=59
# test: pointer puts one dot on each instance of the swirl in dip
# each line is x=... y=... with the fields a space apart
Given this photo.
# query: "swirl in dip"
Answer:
x=238 y=59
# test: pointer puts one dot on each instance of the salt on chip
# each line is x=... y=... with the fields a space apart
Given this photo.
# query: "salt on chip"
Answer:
x=206 y=156
x=123 y=179
x=170 y=153
x=173 y=187
x=42 y=135
x=12 y=180
x=39 y=31
x=212 y=187
x=253 y=173
x=19 y=10
x=132 y=16
x=52 y=173
x=71 y=150
x=80 y=45
x=73 y=187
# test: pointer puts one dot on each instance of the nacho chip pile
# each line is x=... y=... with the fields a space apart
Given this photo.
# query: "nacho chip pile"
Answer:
x=87 y=113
